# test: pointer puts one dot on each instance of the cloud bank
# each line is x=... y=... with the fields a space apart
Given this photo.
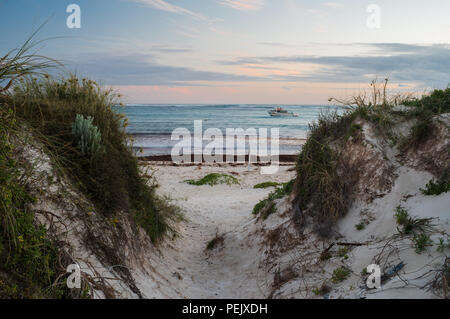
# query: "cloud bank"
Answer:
x=429 y=64
x=145 y=70
x=401 y=63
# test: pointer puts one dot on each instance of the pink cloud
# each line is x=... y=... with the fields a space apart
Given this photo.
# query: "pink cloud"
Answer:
x=244 y=5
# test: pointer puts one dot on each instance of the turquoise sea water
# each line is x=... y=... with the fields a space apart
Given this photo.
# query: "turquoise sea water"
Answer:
x=152 y=125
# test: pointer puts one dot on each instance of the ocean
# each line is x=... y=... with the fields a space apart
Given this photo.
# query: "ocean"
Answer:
x=151 y=125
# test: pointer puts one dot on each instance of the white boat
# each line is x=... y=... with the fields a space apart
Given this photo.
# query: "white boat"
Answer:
x=279 y=111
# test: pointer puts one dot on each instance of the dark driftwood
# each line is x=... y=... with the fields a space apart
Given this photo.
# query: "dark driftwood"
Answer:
x=351 y=244
x=168 y=158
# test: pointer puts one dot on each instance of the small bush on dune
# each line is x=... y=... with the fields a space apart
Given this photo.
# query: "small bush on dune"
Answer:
x=87 y=135
x=442 y=245
x=266 y=185
x=213 y=243
x=410 y=225
x=340 y=274
x=436 y=187
x=401 y=215
x=421 y=242
x=423 y=111
x=267 y=205
x=259 y=206
x=342 y=252
x=437 y=102
x=322 y=290
x=281 y=191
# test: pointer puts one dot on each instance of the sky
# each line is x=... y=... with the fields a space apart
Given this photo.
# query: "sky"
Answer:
x=240 y=51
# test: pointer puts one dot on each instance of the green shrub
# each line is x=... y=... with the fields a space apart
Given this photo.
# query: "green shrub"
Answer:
x=442 y=245
x=271 y=209
x=87 y=135
x=279 y=192
x=214 y=242
x=421 y=241
x=436 y=188
x=325 y=255
x=354 y=131
x=267 y=185
x=422 y=111
x=214 y=179
x=437 y=102
x=259 y=206
x=266 y=206
x=340 y=274
x=364 y=272
x=410 y=225
x=322 y=290
x=342 y=251
x=401 y=215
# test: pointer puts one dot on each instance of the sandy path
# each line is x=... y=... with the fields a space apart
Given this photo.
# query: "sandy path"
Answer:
x=184 y=268
x=231 y=270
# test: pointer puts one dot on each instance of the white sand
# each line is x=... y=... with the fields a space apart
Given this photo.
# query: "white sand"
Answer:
x=419 y=268
x=186 y=269
x=244 y=265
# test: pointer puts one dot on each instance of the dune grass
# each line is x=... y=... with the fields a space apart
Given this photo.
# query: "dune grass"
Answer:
x=20 y=62
x=28 y=257
x=266 y=207
x=320 y=190
x=423 y=111
x=436 y=187
x=110 y=177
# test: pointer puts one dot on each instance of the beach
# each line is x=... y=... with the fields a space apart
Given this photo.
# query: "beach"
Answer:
x=230 y=270
x=204 y=151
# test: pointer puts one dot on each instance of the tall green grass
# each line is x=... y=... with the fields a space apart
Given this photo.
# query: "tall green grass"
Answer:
x=318 y=185
x=21 y=62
